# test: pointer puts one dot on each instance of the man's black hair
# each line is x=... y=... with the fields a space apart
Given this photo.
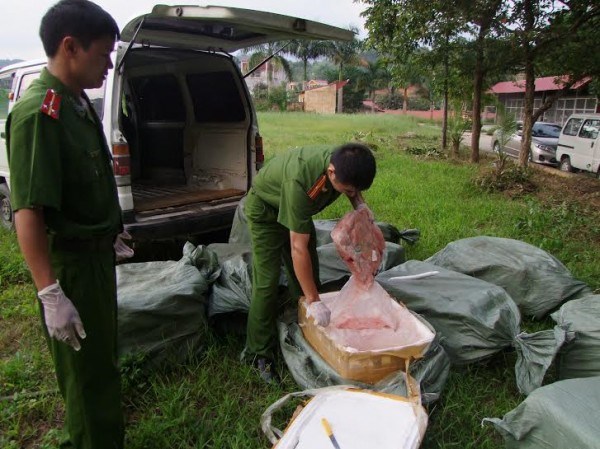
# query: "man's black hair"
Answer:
x=81 y=19
x=354 y=165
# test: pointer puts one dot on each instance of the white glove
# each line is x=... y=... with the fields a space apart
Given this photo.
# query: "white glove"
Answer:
x=320 y=313
x=62 y=320
x=122 y=251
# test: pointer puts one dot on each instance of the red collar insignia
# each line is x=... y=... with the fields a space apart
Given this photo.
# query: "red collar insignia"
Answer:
x=51 y=104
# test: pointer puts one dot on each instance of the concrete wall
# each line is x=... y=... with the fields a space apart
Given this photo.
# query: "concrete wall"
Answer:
x=321 y=100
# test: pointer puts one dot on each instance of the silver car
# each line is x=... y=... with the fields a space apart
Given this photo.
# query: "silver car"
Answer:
x=544 y=139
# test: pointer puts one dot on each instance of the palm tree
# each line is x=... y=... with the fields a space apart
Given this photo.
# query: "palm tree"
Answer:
x=307 y=50
x=344 y=53
x=261 y=52
x=375 y=75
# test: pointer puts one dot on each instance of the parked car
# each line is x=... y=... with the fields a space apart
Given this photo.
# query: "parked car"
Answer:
x=579 y=144
x=544 y=139
x=178 y=116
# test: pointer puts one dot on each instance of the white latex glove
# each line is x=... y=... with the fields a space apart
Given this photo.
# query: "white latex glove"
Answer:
x=62 y=320
x=122 y=251
x=320 y=313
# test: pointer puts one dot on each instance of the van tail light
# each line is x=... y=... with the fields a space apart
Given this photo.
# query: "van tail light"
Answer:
x=121 y=159
x=260 y=155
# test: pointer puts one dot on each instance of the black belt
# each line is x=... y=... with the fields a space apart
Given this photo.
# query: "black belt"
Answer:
x=78 y=245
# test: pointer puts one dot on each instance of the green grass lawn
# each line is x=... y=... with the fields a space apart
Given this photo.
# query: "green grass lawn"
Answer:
x=215 y=402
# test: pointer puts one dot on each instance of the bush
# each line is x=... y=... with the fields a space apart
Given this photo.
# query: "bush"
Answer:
x=396 y=101
x=505 y=176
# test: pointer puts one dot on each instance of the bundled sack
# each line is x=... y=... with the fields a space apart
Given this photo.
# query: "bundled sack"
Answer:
x=534 y=279
x=475 y=319
x=580 y=357
x=232 y=290
x=560 y=415
x=162 y=305
x=334 y=273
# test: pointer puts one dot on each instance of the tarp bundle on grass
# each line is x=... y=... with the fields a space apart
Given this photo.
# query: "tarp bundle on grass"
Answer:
x=580 y=357
x=162 y=305
x=475 y=319
x=535 y=280
x=560 y=415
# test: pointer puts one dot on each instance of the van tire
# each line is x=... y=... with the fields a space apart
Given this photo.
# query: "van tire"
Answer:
x=565 y=164
x=6 y=212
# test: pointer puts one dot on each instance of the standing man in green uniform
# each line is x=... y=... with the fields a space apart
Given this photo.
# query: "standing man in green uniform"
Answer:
x=279 y=207
x=68 y=217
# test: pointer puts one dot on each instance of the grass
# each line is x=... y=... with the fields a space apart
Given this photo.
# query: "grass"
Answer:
x=215 y=402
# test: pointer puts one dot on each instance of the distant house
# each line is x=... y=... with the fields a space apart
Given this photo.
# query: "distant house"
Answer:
x=317 y=96
x=260 y=76
x=578 y=100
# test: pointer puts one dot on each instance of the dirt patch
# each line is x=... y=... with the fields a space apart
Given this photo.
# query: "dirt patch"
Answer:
x=557 y=187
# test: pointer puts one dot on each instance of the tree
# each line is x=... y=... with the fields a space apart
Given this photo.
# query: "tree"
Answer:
x=344 y=53
x=400 y=28
x=307 y=50
x=374 y=75
x=561 y=37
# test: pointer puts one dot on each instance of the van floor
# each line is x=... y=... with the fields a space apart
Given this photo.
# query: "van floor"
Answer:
x=147 y=198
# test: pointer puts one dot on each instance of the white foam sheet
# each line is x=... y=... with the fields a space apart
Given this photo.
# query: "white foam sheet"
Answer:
x=358 y=420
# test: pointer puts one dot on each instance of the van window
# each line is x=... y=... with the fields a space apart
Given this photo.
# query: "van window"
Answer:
x=590 y=128
x=216 y=97
x=159 y=98
x=96 y=97
x=26 y=81
x=6 y=80
x=572 y=127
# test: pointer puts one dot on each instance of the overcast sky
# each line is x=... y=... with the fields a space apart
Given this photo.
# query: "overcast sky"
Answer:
x=20 y=19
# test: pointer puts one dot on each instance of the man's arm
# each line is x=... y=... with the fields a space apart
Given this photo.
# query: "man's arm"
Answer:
x=303 y=265
x=31 y=234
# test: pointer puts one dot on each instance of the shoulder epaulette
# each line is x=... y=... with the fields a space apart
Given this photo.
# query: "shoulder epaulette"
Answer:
x=51 y=104
x=316 y=188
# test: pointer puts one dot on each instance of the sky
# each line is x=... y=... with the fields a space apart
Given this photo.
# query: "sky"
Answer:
x=20 y=19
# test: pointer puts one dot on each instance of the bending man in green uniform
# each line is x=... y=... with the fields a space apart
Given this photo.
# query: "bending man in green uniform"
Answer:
x=68 y=217
x=279 y=207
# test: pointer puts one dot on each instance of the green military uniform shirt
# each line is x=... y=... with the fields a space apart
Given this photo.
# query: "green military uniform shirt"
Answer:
x=62 y=164
x=295 y=183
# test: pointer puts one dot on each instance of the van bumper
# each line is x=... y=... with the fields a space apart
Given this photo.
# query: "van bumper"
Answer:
x=169 y=227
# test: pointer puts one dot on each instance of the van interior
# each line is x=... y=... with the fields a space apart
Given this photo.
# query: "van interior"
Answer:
x=187 y=119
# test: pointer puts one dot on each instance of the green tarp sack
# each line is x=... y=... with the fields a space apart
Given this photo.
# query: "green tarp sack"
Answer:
x=580 y=357
x=535 y=280
x=240 y=233
x=162 y=305
x=309 y=370
x=562 y=415
x=475 y=319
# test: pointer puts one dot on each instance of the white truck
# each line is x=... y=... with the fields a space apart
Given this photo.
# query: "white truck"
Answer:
x=579 y=144
x=178 y=116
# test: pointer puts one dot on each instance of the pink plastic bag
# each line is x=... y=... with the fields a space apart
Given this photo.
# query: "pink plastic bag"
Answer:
x=358 y=308
x=360 y=244
x=362 y=303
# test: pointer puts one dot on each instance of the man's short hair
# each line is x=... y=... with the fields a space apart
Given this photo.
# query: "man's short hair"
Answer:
x=81 y=19
x=354 y=165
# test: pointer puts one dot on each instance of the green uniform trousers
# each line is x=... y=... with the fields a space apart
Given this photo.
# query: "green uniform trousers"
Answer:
x=270 y=245
x=89 y=379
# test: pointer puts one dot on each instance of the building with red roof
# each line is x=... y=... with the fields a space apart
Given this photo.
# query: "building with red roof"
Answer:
x=577 y=100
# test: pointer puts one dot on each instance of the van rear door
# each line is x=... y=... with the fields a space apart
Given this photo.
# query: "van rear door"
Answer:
x=220 y=28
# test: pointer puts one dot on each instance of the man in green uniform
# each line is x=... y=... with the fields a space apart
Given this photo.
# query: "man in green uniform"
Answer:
x=68 y=217
x=279 y=207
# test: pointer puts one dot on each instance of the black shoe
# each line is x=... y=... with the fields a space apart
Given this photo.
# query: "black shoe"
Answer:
x=266 y=370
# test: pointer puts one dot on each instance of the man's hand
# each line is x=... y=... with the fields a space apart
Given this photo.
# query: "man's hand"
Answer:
x=320 y=313
x=62 y=320
x=122 y=251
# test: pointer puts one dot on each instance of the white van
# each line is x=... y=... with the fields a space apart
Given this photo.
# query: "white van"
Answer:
x=177 y=115
x=579 y=144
